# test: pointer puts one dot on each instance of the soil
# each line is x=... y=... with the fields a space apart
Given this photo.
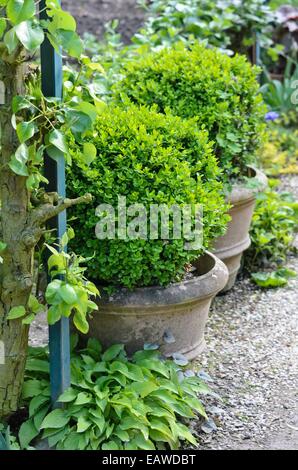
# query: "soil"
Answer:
x=92 y=15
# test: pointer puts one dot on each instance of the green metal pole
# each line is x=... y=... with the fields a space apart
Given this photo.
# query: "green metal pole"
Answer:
x=59 y=345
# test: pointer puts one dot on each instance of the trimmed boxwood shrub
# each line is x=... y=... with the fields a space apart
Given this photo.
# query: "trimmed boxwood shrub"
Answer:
x=144 y=156
x=220 y=91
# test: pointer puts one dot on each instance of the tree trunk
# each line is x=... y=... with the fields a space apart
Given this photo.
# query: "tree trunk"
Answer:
x=16 y=271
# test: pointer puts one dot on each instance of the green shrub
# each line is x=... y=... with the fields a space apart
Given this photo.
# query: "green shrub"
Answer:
x=272 y=235
x=149 y=158
x=221 y=92
x=114 y=402
x=273 y=228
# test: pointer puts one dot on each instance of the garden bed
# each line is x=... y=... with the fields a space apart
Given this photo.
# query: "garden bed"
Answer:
x=252 y=359
x=93 y=19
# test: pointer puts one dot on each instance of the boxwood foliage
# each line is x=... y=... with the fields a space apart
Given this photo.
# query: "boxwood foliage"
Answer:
x=149 y=158
x=220 y=91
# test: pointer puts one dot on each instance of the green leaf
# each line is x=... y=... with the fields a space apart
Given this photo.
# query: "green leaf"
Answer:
x=31 y=388
x=27 y=432
x=68 y=294
x=145 y=388
x=80 y=322
x=40 y=414
x=83 y=424
x=130 y=422
x=56 y=419
x=16 y=312
x=28 y=319
x=183 y=433
x=269 y=280
x=112 y=352
x=62 y=20
x=30 y=34
x=110 y=445
x=34 y=305
x=143 y=444
x=156 y=366
x=54 y=314
x=18 y=161
x=19 y=103
x=2 y=26
x=2 y=246
x=25 y=130
x=55 y=153
x=20 y=10
x=69 y=395
x=37 y=365
x=11 y=40
x=89 y=151
x=83 y=398
x=53 y=290
x=36 y=403
x=70 y=42
x=72 y=441
x=57 y=139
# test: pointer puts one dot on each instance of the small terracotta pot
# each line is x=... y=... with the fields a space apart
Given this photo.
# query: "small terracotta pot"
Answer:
x=149 y=314
x=231 y=246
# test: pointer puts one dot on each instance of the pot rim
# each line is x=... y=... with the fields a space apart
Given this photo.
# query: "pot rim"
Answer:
x=199 y=287
x=240 y=194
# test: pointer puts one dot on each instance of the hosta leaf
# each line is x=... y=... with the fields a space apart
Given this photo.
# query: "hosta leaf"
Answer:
x=83 y=424
x=83 y=398
x=55 y=419
x=69 y=395
x=144 y=388
x=37 y=365
x=27 y=433
x=112 y=352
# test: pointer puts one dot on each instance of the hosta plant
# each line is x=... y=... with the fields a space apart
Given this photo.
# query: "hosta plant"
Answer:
x=149 y=158
x=114 y=403
x=222 y=93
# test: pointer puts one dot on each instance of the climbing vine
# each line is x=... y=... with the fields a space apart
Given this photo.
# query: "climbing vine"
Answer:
x=32 y=125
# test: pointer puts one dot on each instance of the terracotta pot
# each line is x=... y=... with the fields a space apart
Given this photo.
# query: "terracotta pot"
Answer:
x=231 y=246
x=147 y=315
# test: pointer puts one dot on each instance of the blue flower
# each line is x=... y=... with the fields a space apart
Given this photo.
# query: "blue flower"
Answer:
x=271 y=116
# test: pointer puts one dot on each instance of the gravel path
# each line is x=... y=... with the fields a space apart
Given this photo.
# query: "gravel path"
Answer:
x=252 y=356
x=252 y=359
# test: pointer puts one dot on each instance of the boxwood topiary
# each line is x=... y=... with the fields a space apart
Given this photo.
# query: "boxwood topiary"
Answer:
x=220 y=91
x=144 y=156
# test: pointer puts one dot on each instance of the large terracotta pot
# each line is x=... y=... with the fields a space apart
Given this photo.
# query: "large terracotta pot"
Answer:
x=150 y=314
x=231 y=246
